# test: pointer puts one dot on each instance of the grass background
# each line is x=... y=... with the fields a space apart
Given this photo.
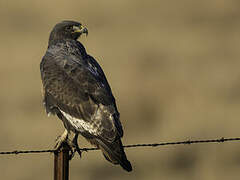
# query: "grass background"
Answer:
x=173 y=67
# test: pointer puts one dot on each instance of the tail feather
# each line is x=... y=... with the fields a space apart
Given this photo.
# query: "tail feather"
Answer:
x=114 y=153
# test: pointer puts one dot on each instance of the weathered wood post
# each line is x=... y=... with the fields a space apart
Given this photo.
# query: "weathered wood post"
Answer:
x=61 y=163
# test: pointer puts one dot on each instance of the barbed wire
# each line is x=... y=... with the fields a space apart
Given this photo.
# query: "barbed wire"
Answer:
x=220 y=140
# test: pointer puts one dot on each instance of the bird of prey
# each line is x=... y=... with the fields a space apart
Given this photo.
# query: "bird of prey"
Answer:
x=77 y=91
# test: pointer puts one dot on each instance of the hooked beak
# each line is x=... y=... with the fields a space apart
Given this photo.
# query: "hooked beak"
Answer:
x=80 y=29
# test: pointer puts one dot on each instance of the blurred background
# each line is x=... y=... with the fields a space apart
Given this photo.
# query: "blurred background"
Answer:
x=173 y=67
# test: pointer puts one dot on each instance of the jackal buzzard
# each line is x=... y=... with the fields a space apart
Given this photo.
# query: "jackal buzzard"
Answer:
x=76 y=90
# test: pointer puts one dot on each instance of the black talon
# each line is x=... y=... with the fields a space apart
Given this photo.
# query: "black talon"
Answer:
x=71 y=155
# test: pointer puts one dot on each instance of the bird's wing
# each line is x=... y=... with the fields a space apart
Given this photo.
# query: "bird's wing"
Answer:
x=81 y=92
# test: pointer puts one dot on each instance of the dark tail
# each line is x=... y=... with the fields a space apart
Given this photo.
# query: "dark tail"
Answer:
x=114 y=153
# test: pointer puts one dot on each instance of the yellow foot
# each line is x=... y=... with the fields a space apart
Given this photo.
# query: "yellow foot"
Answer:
x=61 y=139
x=73 y=145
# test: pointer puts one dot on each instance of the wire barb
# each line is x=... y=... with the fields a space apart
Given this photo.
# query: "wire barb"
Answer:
x=220 y=140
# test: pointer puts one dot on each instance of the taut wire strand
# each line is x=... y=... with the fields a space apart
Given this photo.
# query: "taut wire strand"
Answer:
x=220 y=140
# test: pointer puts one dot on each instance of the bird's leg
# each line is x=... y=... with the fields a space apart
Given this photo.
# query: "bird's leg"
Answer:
x=76 y=144
x=64 y=138
x=73 y=145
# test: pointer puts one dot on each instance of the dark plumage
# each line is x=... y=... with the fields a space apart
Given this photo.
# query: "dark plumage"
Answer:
x=76 y=90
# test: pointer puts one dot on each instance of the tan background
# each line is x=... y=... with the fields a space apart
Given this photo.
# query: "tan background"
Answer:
x=174 y=69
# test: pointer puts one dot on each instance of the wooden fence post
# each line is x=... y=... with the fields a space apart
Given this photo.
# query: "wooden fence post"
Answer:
x=61 y=163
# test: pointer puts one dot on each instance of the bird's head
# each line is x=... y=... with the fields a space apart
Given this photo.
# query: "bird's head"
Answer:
x=67 y=30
